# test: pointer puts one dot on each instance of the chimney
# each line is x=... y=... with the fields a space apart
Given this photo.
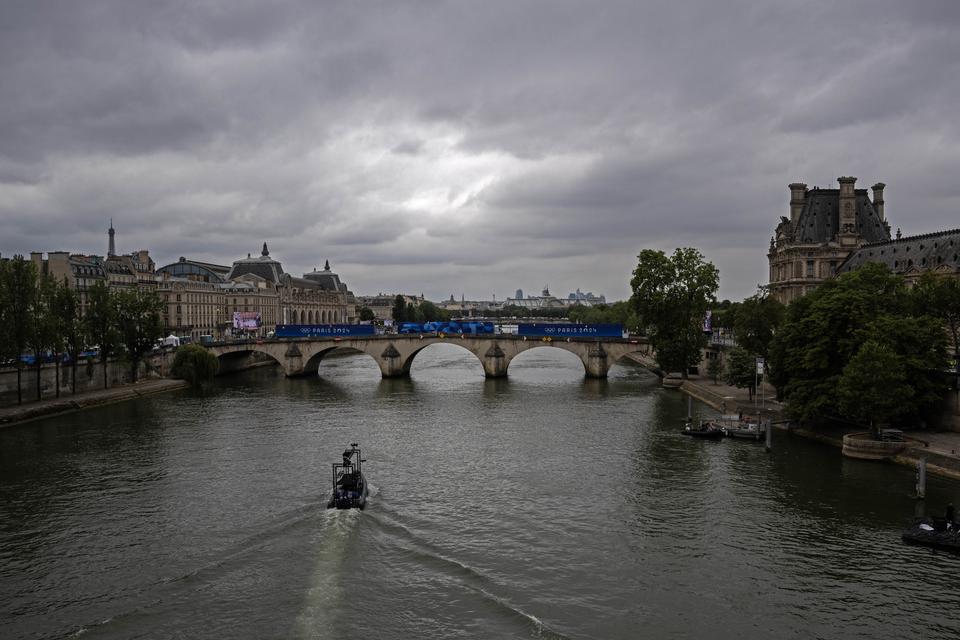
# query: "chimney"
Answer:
x=798 y=195
x=878 y=199
x=848 y=210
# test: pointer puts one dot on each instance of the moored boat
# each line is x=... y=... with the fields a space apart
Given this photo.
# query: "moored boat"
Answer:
x=933 y=532
x=736 y=425
x=349 y=485
x=702 y=430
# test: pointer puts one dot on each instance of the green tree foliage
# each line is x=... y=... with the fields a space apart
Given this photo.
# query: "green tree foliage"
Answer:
x=755 y=321
x=399 y=309
x=873 y=387
x=825 y=329
x=432 y=313
x=194 y=364
x=66 y=306
x=140 y=324
x=621 y=312
x=20 y=278
x=367 y=314
x=938 y=296
x=742 y=370
x=412 y=314
x=715 y=368
x=101 y=323
x=44 y=330
x=671 y=296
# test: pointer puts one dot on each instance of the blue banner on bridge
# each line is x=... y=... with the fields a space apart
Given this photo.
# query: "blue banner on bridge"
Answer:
x=323 y=330
x=570 y=330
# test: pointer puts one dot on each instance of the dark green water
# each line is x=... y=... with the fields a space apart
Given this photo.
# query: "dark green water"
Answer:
x=540 y=506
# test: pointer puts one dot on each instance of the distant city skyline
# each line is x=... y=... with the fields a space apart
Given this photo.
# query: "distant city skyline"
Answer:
x=463 y=148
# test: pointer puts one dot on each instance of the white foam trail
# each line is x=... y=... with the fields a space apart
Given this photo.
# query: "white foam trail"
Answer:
x=324 y=596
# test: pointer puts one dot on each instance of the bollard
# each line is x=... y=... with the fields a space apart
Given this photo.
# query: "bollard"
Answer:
x=689 y=408
x=922 y=478
x=769 y=434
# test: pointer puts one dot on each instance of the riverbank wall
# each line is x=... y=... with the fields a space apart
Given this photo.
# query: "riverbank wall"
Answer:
x=941 y=449
x=70 y=403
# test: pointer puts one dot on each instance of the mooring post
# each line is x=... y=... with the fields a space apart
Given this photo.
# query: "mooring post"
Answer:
x=922 y=478
x=769 y=434
x=689 y=408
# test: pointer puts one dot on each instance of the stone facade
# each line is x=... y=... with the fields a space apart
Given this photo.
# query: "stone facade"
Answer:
x=824 y=228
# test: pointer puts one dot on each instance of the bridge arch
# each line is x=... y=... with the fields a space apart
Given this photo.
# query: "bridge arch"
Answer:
x=408 y=360
x=241 y=357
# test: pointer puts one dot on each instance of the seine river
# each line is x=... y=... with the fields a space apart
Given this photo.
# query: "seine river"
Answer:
x=544 y=506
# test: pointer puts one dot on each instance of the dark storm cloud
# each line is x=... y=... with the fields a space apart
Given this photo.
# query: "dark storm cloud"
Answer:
x=454 y=147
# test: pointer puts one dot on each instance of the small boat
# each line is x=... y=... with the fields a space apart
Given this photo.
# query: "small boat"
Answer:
x=735 y=425
x=349 y=485
x=702 y=430
x=933 y=532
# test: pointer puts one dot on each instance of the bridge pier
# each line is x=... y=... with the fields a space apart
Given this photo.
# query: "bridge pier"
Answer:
x=495 y=362
x=392 y=364
x=597 y=363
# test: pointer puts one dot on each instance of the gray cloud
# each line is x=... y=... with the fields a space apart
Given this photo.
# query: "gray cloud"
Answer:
x=466 y=148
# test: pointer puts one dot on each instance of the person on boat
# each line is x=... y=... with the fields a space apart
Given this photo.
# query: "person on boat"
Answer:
x=950 y=517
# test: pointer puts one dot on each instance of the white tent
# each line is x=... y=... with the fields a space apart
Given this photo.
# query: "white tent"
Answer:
x=171 y=341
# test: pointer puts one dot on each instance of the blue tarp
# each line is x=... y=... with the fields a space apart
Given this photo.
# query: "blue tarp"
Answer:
x=323 y=330
x=557 y=330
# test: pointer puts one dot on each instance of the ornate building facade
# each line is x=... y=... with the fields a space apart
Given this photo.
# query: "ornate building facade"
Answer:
x=824 y=228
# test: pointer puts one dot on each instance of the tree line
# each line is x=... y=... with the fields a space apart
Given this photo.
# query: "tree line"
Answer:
x=863 y=347
x=42 y=319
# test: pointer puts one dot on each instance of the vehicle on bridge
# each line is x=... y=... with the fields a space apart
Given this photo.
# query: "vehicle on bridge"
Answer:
x=349 y=485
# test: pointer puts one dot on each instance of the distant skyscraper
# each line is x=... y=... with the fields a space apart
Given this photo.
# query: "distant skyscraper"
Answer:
x=112 y=247
x=518 y=295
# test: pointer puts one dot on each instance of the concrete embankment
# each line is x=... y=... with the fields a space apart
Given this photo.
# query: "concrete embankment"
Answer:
x=68 y=404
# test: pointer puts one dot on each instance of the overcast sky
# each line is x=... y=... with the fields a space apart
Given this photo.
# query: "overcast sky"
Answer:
x=467 y=148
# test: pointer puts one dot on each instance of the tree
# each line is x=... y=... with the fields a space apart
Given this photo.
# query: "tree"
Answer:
x=194 y=364
x=826 y=328
x=938 y=296
x=715 y=368
x=671 y=296
x=755 y=321
x=432 y=313
x=101 y=322
x=44 y=331
x=140 y=324
x=66 y=306
x=399 y=309
x=21 y=283
x=412 y=313
x=367 y=314
x=742 y=370
x=874 y=387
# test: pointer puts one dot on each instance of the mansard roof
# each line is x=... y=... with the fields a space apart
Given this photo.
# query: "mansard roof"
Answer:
x=930 y=251
x=819 y=222
x=263 y=266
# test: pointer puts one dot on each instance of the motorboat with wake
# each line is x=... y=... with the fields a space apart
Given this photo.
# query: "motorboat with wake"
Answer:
x=349 y=485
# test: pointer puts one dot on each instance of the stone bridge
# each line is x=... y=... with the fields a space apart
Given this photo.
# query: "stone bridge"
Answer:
x=395 y=353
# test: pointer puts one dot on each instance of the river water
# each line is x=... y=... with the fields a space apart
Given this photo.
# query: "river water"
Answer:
x=545 y=505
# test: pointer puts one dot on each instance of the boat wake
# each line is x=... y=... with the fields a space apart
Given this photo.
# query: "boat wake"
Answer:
x=468 y=577
x=324 y=597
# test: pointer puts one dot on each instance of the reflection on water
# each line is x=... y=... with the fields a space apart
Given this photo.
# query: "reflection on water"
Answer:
x=541 y=505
